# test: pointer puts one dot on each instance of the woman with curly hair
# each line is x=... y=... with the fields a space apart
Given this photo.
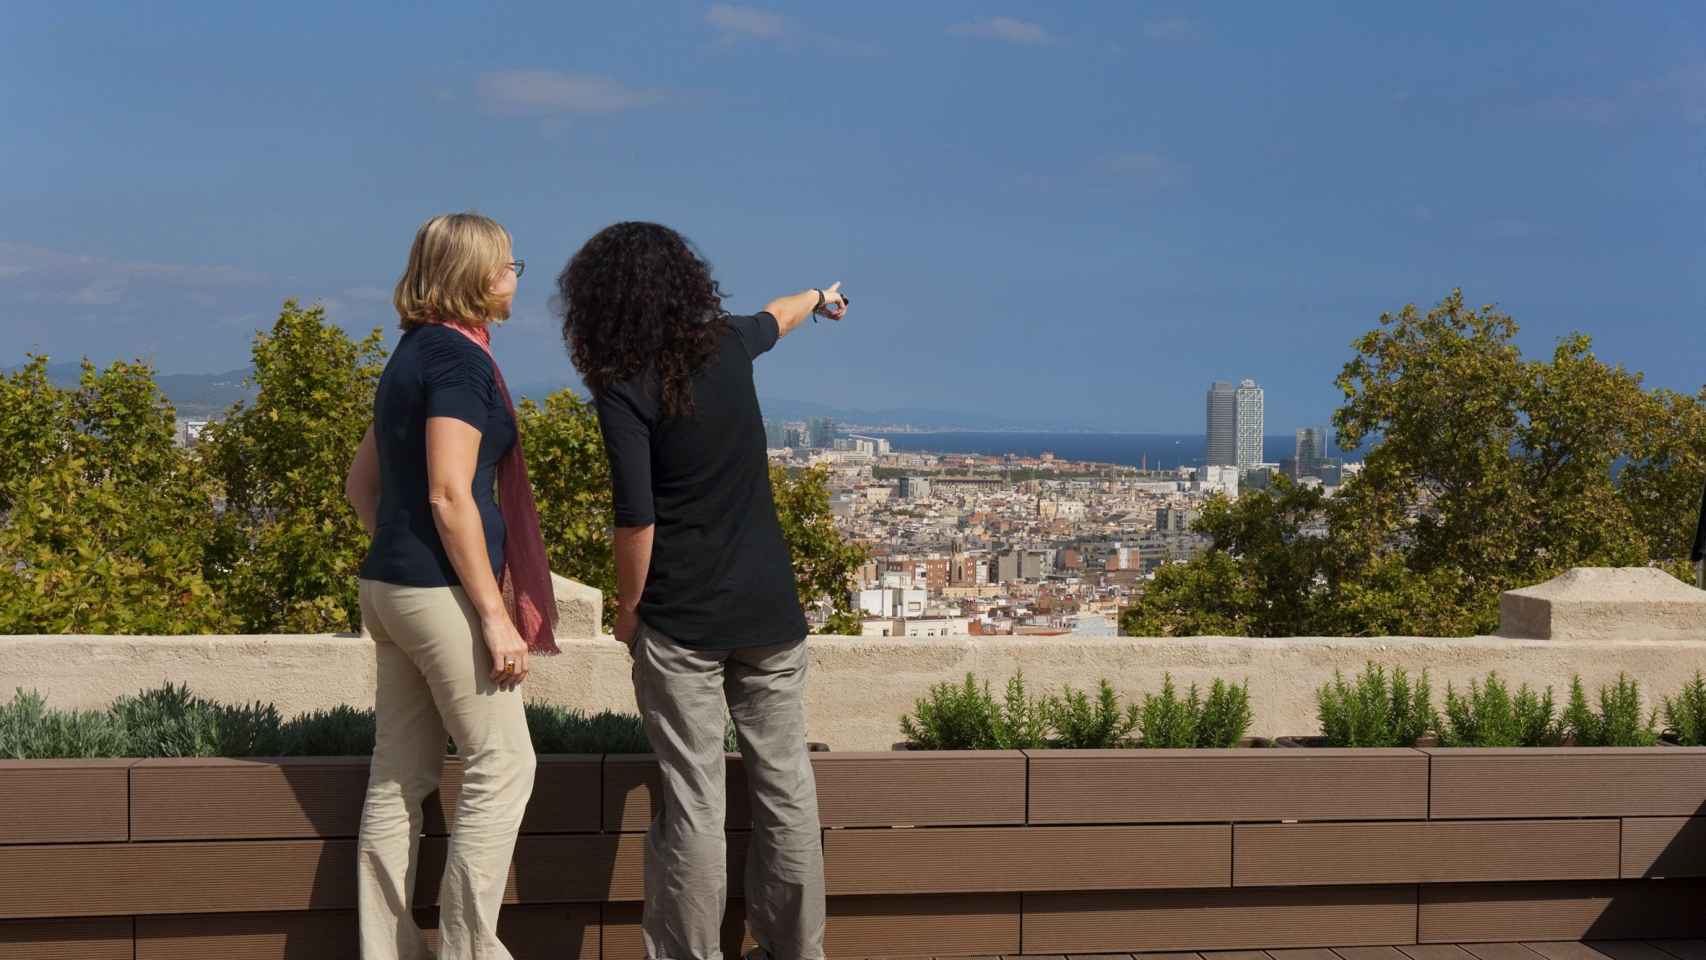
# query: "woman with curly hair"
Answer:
x=706 y=598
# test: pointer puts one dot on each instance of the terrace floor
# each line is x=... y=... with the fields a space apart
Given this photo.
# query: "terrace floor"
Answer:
x=1538 y=950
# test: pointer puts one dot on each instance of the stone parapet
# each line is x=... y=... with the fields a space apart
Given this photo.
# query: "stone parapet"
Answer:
x=1599 y=603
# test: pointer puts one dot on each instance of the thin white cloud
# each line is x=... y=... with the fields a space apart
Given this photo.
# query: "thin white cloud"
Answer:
x=1007 y=29
x=1147 y=168
x=733 y=20
x=40 y=275
x=547 y=92
x=1171 y=29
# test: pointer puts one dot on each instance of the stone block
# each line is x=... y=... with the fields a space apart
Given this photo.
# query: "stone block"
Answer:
x=580 y=609
x=1605 y=603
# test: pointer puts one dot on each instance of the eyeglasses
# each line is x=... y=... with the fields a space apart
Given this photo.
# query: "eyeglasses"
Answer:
x=518 y=266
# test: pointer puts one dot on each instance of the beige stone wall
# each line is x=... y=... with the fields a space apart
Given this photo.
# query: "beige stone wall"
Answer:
x=859 y=686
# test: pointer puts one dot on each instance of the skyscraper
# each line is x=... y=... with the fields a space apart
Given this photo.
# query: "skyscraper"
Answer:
x=821 y=432
x=1311 y=450
x=775 y=434
x=1222 y=425
x=1250 y=424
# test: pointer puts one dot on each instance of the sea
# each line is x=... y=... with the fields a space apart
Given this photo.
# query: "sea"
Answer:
x=1160 y=451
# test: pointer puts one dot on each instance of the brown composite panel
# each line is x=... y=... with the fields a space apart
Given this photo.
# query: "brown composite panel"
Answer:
x=1160 y=786
x=1664 y=847
x=920 y=788
x=1567 y=782
x=1369 y=953
x=321 y=797
x=570 y=868
x=1012 y=859
x=75 y=880
x=900 y=788
x=1219 y=919
x=1304 y=953
x=631 y=792
x=1684 y=949
x=943 y=926
x=546 y=932
x=1620 y=909
x=99 y=938
x=64 y=801
x=1300 y=854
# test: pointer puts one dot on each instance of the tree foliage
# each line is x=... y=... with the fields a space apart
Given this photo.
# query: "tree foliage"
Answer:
x=1489 y=472
x=290 y=547
x=825 y=562
x=104 y=524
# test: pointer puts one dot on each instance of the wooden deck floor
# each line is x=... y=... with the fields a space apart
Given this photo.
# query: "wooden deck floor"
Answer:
x=1541 y=950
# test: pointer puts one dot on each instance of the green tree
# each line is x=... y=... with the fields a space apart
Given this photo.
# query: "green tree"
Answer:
x=104 y=521
x=290 y=547
x=571 y=485
x=825 y=562
x=1490 y=472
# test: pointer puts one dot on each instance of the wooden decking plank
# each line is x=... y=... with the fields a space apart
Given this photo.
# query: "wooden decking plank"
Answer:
x=1501 y=951
x=1435 y=951
x=1566 y=950
x=1369 y=953
x=1303 y=953
x=1629 y=950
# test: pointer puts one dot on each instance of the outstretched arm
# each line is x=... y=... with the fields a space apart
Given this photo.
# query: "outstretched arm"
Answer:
x=792 y=310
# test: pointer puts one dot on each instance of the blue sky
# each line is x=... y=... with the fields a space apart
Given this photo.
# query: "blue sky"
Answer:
x=1081 y=213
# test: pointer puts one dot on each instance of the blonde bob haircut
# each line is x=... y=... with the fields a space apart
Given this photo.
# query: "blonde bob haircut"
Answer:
x=452 y=265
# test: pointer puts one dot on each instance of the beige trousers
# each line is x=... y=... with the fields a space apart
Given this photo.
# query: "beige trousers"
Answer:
x=434 y=679
x=682 y=694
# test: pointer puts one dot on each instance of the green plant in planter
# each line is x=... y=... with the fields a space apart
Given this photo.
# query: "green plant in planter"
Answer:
x=343 y=731
x=29 y=730
x=1080 y=724
x=1374 y=711
x=1168 y=721
x=1617 y=723
x=560 y=730
x=1490 y=716
x=170 y=721
x=1685 y=717
x=1226 y=715
x=966 y=716
x=952 y=717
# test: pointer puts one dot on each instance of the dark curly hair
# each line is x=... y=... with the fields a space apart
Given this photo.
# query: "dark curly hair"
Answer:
x=637 y=297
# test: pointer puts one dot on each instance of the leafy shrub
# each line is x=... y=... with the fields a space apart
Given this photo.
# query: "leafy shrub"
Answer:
x=28 y=730
x=561 y=730
x=1226 y=715
x=1217 y=722
x=1080 y=724
x=343 y=731
x=1685 y=717
x=1491 y=717
x=966 y=716
x=170 y=721
x=1374 y=711
x=1617 y=723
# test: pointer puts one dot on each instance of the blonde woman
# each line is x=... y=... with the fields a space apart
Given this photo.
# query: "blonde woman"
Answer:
x=455 y=591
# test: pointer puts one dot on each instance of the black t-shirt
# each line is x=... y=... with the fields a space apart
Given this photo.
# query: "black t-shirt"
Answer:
x=720 y=574
x=435 y=372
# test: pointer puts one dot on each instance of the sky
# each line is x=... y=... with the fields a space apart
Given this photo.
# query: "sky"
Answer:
x=1079 y=213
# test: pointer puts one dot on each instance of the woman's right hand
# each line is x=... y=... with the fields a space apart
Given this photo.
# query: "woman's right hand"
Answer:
x=834 y=304
x=509 y=651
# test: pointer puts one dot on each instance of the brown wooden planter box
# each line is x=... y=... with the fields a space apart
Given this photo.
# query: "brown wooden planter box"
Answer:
x=926 y=853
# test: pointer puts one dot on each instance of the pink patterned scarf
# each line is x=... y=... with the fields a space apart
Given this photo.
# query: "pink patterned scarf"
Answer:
x=526 y=580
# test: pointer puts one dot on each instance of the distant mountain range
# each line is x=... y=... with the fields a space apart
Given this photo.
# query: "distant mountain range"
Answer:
x=192 y=394
x=211 y=394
